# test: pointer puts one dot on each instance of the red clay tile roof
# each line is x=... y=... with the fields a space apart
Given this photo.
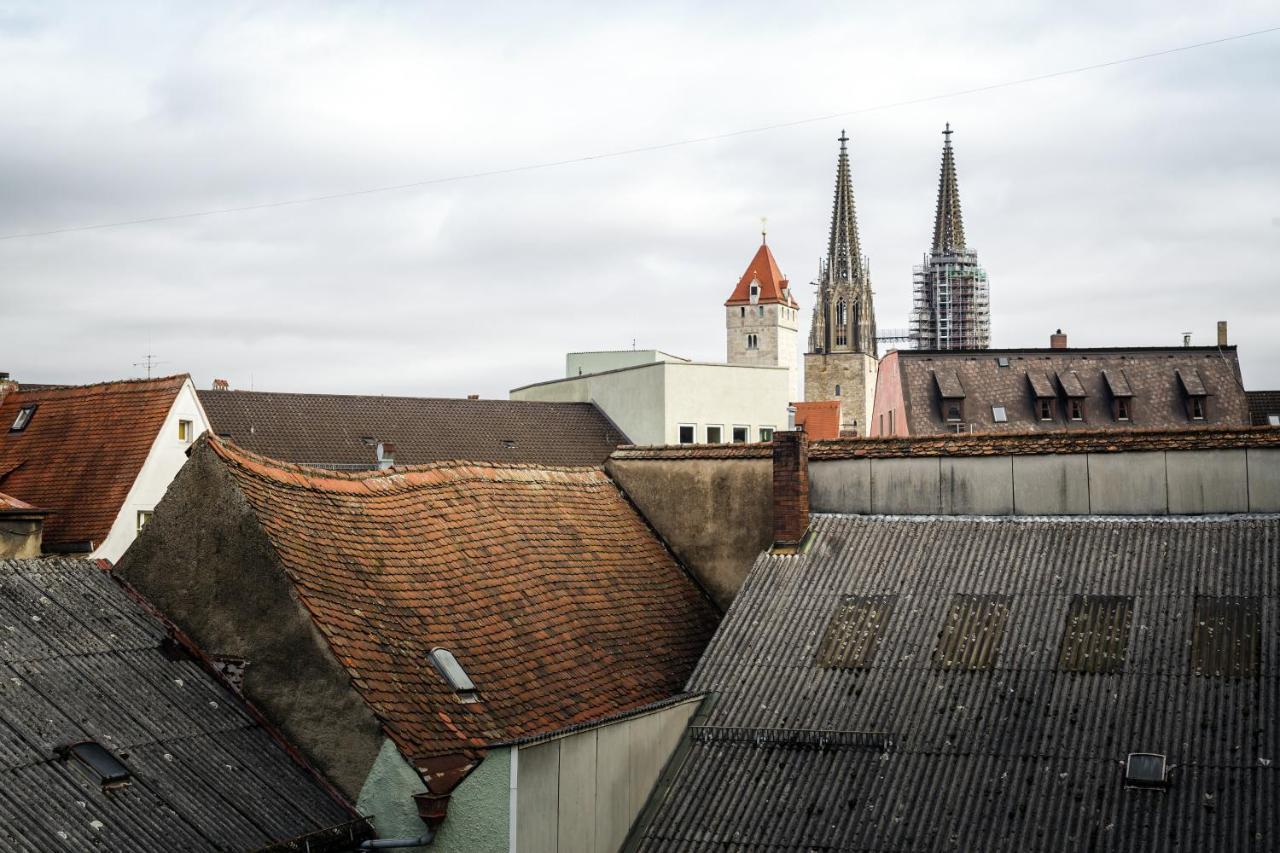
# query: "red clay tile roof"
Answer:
x=764 y=269
x=82 y=450
x=979 y=444
x=545 y=583
x=820 y=419
x=331 y=429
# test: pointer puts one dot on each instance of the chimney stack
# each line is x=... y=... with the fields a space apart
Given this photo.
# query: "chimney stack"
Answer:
x=473 y=396
x=1222 y=333
x=221 y=385
x=1058 y=340
x=1186 y=339
x=790 y=490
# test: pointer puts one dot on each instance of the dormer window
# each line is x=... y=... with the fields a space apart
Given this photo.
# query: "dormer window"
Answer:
x=1195 y=408
x=1075 y=409
x=453 y=673
x=1044 y=406
x=1194 y=388
x=23 y=418
x=1122 y=409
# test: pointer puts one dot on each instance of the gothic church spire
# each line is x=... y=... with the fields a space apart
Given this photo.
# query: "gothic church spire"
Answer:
x=948 y=226
x=844 y=249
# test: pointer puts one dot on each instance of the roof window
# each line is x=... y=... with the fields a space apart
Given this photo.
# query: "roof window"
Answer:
x=23 y=418
x=99 y=761
x=1145 y=770
x=999 y=415
x=1002 y=361
x=452 y=672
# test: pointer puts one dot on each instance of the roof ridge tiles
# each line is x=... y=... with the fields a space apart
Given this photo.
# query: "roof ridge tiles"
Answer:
x=175 y=380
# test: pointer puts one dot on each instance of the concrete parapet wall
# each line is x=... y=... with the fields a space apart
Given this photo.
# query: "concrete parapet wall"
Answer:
x=1182 y=482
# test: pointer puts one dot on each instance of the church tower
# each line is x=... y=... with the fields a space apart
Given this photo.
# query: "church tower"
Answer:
x=761 y=318
x=841 y=361
x=951 y=306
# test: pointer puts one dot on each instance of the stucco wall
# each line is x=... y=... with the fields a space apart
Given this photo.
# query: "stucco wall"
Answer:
x=581 y=792
x=168 y=455
x=20 y=537
x=205 y=562
x=1184 y=482
x=632 y=398
x=716 y=515
x=479 y=818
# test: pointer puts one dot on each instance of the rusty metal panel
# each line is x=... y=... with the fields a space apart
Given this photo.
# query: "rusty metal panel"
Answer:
x=1096 y=638
x=1226 y=640
x=970 y=636
x=855 y=631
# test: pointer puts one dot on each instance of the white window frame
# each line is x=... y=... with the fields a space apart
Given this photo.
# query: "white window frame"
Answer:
x=760 y=432
x=144 y=518
x=186 y=430
x=693 y=433
x=720 y=439
x=746 y=434
x=999 y=414
x=1273 y=420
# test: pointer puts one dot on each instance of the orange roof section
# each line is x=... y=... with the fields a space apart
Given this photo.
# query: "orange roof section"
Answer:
x=13 y=505
x=81 y=450
x=820 y=419
x=773 y=286
x=545 y=583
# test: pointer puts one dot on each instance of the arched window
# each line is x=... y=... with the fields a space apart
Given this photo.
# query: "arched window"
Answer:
x=842 y=313
x=837 y=389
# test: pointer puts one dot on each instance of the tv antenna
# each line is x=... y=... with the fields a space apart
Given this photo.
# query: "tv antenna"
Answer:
x=149 y=361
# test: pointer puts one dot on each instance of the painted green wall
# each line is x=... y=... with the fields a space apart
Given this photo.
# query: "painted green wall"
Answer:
x=479 y=810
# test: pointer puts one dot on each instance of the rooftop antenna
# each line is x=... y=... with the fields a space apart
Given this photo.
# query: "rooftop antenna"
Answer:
x=149 y=361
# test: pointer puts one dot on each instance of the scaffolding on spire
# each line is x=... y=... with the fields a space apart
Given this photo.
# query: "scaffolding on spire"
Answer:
x=951 y=306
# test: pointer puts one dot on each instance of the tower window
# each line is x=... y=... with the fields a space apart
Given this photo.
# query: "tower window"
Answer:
x=760 y=310
x=841 y=313
x=753 y=341
x=743 y=309
x=837 y=389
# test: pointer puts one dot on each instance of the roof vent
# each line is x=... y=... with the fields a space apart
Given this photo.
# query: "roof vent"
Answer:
x=1146 y=770
x=99 y=761
x=452 y=672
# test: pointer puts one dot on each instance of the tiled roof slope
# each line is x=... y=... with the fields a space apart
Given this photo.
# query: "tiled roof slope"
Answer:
x=546 y=584
x=1262 y=404
x=81 y=660
x=1021 y=756
x=763 y=270
x=978 y=444
x=1158 y=400
x=334 y=429
x=82 y=450
x=819 y=419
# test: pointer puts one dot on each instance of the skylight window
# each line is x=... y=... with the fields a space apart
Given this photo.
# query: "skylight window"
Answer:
x=1145 y=770
x=23 y=418
x=452 y=672
x=100 y=762
x=1002 y=361
x=999 y=415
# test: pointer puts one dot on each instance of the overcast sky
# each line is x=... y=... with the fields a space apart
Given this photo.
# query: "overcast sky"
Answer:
x=1126 y=205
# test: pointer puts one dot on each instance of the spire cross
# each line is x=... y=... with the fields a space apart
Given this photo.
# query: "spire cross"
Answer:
x=947 y=133
x=843 y=139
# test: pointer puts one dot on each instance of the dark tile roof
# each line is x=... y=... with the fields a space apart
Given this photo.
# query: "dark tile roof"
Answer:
x=333 y=429
x=1159 y=381
x=545 y=583
x=82 y=450
x=978 y=444
x=1011 y=749
x=81 y=660
x=1262 y=404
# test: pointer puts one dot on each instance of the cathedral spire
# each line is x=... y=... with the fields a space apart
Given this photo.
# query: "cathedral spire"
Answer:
x=948 y=226
x=844 y=249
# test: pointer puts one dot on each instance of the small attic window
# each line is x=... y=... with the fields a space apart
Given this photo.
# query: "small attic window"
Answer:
x=100 y=762
x=1002 y=361
x=999 y=415
x=452 y=672
x=1145 y=770
x=23 y=418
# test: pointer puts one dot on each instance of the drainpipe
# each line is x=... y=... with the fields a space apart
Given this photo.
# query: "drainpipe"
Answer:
x=396 y=843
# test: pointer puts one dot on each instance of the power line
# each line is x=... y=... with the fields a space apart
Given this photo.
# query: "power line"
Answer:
x=662 y=146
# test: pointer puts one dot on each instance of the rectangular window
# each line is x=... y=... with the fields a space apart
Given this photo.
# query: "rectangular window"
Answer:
x=766 y=433
x=185 y=430
x=891 y=431
x=954 y=410
x=1195 y=407
x=740 y=434
x=999 y=415
x=970 y=637
x=1273 y=420
x=753 y=342
x=144 y=515
x=1075 y=406
x=1226 y=639
x=1045 y=407
x=686 y=433
x=855 y=632
x=23 y=418
x=1096 y=638
x=715 y=434
x=842 y=338
x=1122 y=408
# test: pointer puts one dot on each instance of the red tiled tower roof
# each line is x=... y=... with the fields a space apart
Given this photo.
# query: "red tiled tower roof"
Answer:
x=773 y=286
x=82 y=450
x=545 y=583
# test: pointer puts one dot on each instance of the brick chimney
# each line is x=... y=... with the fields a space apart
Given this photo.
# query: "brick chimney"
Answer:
x=1222 y=333
x=221 y=385
x=1058 y=340
x=790 y=489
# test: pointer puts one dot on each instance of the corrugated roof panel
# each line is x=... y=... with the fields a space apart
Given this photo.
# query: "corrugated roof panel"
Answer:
x=853 y=636
x=1226 y=639
x=970 y=636
x=1096 y=638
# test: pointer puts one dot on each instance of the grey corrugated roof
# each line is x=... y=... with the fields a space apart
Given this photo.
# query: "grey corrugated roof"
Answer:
x=81 y=660
x=1022 y=756
x=342 y=430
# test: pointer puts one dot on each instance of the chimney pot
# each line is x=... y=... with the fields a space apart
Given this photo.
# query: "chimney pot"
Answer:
x=221 y=385
x=1058 y=340
x=1222 y=333
x=473 y=396
x=790 y=489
